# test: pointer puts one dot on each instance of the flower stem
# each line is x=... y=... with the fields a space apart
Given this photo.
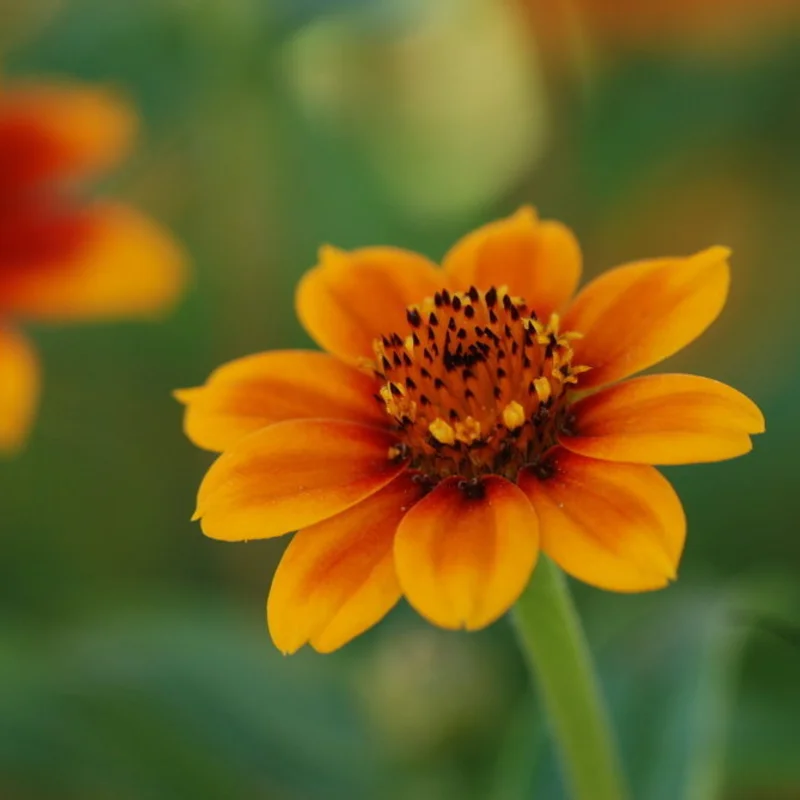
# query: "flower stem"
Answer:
x=550 y=633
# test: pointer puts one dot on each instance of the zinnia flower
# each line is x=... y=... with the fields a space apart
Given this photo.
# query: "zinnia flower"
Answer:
x=63 y=258
x=462 y=419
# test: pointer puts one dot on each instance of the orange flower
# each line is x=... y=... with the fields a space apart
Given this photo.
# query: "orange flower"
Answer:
x=710 y=22
x=458 y=424
x=63 y=258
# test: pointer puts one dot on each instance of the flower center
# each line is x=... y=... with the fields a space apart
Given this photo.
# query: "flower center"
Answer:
x=476 y=385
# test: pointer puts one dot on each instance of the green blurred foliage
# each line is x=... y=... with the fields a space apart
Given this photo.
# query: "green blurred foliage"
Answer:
x=134 y=661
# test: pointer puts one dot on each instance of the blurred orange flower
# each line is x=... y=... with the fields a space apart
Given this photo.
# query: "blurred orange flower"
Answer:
x=64 y=258
x=457 y=424
x=708 y=21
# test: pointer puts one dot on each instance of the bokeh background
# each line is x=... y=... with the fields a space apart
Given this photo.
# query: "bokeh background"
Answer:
x=134 y=659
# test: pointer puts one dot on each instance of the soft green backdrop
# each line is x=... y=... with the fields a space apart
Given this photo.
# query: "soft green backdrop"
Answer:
x=134 y=659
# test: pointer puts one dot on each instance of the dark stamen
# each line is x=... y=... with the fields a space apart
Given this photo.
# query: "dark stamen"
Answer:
x=414 y=317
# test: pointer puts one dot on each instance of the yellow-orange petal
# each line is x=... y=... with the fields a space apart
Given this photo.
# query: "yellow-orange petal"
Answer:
x=292 y=474
x=252 y=392
x=665 y=419
x=465 y=553
x=351 y=298
x=19 y=389
x=615 y=526
x=121 y=264
x=61 y=131
x=337 y=578
x=539 y=260
x=635 y=316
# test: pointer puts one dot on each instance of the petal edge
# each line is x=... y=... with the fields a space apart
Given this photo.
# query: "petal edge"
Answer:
x=19 y=389
x=664 y=419
x=636 y=315
x=619 y=527
x=464 y=555
x=124 y=266
x=539 y=260
x=293 y=474
x=351 y=298
x=337 y=578
x=259 y=390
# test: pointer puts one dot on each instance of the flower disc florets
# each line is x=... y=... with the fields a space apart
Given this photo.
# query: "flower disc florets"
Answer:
x=476 y=385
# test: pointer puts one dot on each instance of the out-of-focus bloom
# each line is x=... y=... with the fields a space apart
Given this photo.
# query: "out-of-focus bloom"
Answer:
x=461 y=419
x=709 y=23
x=64 y=258
x=421 y=89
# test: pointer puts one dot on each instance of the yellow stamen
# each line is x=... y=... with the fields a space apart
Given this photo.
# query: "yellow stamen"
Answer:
x=388 y=393
x=536 y=325
x=543 y=389
x=468 y=431
x=513 y=415
x=398 y=404
x=442 y=431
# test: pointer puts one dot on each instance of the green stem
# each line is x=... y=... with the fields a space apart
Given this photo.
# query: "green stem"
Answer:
x=550 y=633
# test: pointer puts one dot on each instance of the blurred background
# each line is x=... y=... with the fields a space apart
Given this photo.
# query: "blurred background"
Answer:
x=134 y=658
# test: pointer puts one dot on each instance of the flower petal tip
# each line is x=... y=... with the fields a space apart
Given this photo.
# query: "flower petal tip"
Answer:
x=660 y=562
x=286 y=638
x=325 y=649
x=329 y=254
x=527 y=214
x=185 y=396
x=717 y=252
x=715 y=257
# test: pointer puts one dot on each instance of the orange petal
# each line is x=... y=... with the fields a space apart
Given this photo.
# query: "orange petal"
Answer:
x=349 y=299
x=61 y=131
x=665 y=419
x=255 y=391
x=104 y=262
x=635 y=316
x=337 y=578
x=463 y=557
x=19 y=389
x=616 y=526
x=537 y=260
x=292 y=474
